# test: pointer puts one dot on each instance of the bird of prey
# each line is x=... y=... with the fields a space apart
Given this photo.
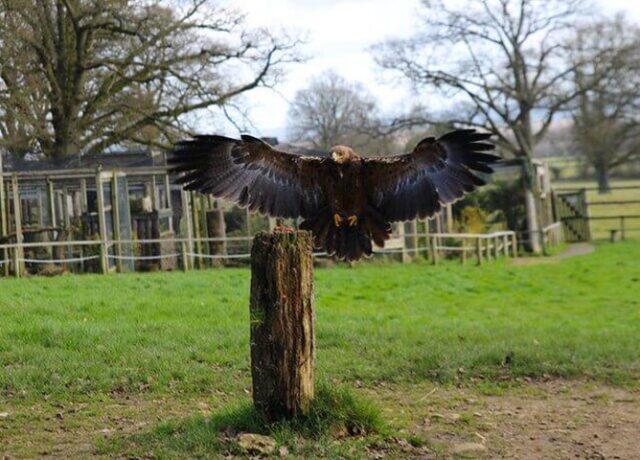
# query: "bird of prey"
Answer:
x=347 y=201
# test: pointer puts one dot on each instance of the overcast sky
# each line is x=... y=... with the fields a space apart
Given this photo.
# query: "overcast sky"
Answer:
x=339 y=34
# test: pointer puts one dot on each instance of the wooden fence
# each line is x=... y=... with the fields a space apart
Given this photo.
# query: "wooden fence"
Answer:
x=103 y=255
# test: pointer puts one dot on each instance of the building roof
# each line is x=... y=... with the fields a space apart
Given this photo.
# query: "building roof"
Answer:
x=111 y=160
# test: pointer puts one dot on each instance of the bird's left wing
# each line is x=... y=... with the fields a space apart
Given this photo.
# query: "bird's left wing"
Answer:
x=436 y=172
x=251 y=173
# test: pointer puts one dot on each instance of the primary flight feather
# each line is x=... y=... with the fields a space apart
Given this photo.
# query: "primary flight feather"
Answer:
x=347 y=201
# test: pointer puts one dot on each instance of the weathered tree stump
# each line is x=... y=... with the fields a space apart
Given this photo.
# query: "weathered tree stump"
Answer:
x=282 y=324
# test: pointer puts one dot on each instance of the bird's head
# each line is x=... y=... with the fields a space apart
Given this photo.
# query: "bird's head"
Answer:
x=343 y=154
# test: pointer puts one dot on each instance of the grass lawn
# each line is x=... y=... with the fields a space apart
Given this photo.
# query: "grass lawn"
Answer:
x=111 y=345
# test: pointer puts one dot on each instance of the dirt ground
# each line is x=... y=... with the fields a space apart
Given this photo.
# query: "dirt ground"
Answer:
x=556 y=419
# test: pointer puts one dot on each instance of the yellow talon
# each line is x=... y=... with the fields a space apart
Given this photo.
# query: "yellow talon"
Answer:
x=337 y=220
x=353 y=220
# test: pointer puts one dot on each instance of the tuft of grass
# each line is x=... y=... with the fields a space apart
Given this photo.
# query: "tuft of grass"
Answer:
x=335 y=409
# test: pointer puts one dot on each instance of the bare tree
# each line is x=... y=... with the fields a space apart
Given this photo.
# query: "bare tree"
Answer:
x=86 y=75
x=334 y=111
x=606 y=120
x=503 y=62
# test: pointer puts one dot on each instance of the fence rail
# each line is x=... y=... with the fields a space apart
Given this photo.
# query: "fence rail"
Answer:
x=621 y=230
x=435 y=246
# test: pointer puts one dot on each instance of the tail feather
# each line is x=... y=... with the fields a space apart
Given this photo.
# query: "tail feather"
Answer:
x=348 y=242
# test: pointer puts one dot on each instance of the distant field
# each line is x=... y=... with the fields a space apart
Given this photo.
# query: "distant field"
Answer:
x=600 y=228
x=84 y=355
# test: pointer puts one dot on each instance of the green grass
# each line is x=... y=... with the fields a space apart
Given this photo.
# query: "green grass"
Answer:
x=120 y=350
x=163 y=333
x=334 y=409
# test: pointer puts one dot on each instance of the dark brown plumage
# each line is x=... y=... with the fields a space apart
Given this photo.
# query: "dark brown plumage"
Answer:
x=346 y=200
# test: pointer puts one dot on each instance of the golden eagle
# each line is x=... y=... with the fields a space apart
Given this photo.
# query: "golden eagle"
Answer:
x=345 y=200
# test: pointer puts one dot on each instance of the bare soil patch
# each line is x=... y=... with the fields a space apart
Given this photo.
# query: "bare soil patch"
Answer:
x=555 y=419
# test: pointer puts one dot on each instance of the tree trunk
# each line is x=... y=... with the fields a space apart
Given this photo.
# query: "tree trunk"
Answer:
x=531 y=208
x=282 y=324
x=602 y=174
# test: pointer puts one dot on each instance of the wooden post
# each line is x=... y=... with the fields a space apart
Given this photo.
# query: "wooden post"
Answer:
x=84 y=202
x=217 y=229
x=204 y=229
x=65 y=207
x=196 y=228
x=449 y=218
x=40 y=208
x=102 y=222
x=17 y=214
x=186 y=215
x=505 y=245
x=154 y=194
x=514 y=245
x=4 y=222
x=488 y=248
x=3 y=216
x=401 y=232
x=51 y=200
x=434 y=249
x=167 y=186
x=185 y=258
x=413 y=228
x=115 y=216
x=479 y=250
x=496 y=247
x=282 y=324
x=463 y=251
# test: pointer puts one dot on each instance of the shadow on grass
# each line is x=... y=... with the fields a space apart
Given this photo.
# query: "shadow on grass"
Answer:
x=334 y=411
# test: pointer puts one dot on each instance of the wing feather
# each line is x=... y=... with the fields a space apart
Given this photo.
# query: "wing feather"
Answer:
x=435 y=173
x=251 y=173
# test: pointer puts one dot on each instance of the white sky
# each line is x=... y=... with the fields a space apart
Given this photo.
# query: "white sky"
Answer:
x=339 y=34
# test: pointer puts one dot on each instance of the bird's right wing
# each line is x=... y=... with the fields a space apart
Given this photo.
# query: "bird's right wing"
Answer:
x=251 y=173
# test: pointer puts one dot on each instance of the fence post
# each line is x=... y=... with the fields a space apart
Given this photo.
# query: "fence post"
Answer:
x=4 y=221
x=434 y=250
x=196 y=228
x=479 y=250
x=463 y=251
x=167 y=186
x=185 y=259
x=488 y=248
x=84 y=202
x=115 y=215
x=282 y=324
x=413 y=226
x=186 y=215
x=514 y=245
x=102 y=222
x=496 y=247
x=449 y=217
x=17 y=211
x=404 y=255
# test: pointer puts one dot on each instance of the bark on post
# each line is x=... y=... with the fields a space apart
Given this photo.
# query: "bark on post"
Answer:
x=282 y=324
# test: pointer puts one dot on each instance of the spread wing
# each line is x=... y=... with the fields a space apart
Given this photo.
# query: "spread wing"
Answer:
x=251 y=173
x=437 y=172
